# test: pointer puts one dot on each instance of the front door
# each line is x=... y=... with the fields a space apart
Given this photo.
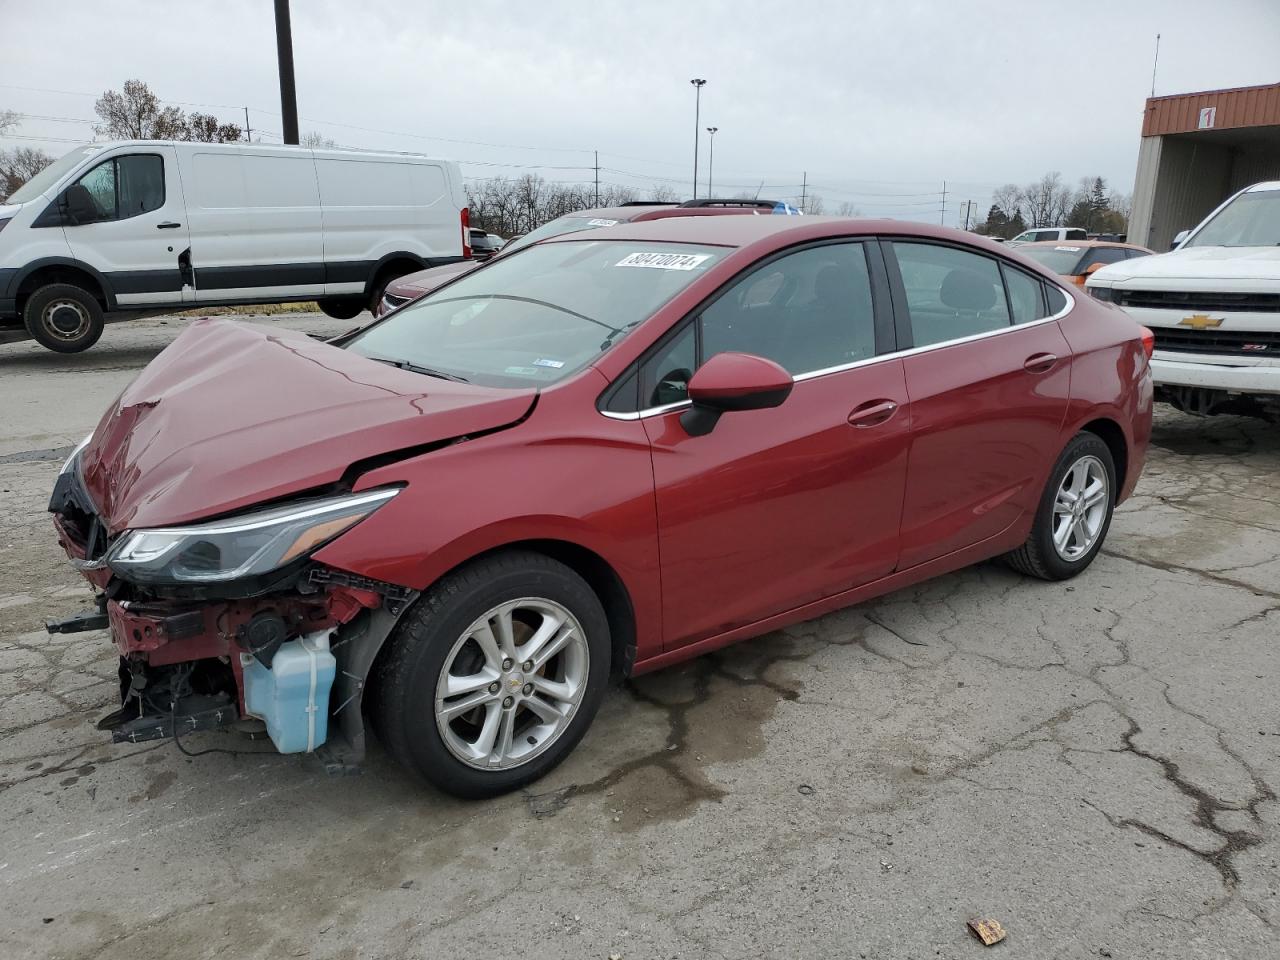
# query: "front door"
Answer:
x=777 y=508
x=125 y=217
x=988 y=375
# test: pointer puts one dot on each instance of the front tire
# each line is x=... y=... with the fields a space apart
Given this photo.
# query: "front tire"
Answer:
x=341 y=309
x=63 y=317
x=494 y=675
x=1074 y=514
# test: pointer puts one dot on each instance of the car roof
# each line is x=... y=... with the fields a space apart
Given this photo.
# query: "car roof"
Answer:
x=1085 y=243
x=742 y=231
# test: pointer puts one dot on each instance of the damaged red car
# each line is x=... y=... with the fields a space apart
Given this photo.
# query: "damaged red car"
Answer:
x=598 y=456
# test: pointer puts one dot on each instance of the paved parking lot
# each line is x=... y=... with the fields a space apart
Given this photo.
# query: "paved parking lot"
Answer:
x=1093 y=764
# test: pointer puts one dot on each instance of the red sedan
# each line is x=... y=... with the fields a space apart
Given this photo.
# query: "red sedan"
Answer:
x=598 y=456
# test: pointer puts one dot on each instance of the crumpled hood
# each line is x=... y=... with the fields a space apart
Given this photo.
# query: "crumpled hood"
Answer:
x=1198 y=263
x=232 y=414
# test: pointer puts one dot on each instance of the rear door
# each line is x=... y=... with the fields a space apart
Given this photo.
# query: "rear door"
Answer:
x=777 y=508
x=988 y=394
x=125 y=217
x=255 y=225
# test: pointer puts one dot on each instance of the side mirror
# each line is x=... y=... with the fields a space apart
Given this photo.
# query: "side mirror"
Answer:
x=1179 y=237
x=733 y=381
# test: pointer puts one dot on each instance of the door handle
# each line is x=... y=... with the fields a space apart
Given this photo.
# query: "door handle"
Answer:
x=872 y=413
x=1039 y=362
x=168 y=225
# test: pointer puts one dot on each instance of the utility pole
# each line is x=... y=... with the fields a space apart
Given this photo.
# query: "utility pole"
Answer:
x=284 y=53
x=968 y=209
x=804 y=190
x=248 y=130
x=597 y=178
x=943 y=219
x=711 y=158
x=697 y=120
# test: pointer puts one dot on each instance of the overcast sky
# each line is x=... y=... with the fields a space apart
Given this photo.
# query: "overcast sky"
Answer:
x=879 y=102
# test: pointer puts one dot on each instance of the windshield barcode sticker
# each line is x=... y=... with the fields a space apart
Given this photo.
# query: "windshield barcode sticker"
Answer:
x=664 y=261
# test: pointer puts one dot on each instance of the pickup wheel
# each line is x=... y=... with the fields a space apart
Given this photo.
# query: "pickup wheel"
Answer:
x=63 y=317
x=341 y=309
x=494 y=675
x=1074 y=513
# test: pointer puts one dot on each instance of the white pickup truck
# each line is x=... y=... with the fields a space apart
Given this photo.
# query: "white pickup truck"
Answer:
x=1214 y=305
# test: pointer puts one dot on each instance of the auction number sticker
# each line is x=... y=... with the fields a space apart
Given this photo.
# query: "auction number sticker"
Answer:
x=1069 y=249
x=664 y=261
x=602 y=223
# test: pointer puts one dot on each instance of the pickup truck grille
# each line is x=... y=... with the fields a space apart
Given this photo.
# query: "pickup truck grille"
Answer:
x=1236 y=343
x=1196 y=301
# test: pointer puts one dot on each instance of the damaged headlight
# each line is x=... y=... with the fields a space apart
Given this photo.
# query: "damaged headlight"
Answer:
x=244 y=546
x=79 y=448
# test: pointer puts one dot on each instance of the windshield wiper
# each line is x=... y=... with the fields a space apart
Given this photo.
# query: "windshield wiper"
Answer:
x=418 y=368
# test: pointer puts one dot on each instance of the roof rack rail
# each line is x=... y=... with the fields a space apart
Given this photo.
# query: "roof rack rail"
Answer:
x=647 y=203
x=713 y=202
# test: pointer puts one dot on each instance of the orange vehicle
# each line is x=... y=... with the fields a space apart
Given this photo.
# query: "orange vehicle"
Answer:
x=1077 y=259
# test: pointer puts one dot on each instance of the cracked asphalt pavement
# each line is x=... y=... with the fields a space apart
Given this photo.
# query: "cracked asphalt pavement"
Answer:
x=1094 y=764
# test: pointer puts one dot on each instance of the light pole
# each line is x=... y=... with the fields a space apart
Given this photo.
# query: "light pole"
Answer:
x=711 y=158
x=288 y=94
x=697 y=120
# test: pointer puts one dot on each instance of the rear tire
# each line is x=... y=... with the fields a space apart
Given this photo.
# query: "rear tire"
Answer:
x=1065 y=538
x=534 y=710
x=341 y=309
x=63 y=317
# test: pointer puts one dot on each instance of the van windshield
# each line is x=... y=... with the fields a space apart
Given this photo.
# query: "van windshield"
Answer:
x=1250 y=220
x=50 y=175
x=537 y=316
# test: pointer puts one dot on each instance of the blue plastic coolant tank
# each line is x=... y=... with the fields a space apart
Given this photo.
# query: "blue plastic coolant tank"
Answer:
x=292 y=695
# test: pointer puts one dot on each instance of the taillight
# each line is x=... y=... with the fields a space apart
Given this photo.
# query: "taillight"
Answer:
x=466 y=233
x=1148 y=341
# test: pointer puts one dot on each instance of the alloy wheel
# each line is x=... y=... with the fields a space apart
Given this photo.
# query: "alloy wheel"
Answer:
x=511 y=683
x=1080 y=508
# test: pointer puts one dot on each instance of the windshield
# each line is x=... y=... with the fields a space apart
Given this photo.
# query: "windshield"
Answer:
x=1250 y=220
x=556 y=227
x=536 y=317
x=1061 y=259
x=50 y=175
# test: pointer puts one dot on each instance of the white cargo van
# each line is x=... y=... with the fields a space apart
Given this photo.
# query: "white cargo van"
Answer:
x=114 y=229
x=1214 y=305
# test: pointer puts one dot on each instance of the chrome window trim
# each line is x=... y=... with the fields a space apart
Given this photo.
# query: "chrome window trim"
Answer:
x=897 y=354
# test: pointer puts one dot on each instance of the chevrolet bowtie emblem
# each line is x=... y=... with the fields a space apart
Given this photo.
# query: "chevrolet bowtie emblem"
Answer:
x=1200 y=321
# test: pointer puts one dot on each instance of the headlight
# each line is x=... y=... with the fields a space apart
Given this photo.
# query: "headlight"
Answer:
x=238 y=547
x=75 y=453
x=1105 y=294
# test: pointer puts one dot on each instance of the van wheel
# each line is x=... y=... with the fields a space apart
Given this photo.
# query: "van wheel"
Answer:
x=63 y=317
x=1074 y=513
x=341 y=309
x=494 y=675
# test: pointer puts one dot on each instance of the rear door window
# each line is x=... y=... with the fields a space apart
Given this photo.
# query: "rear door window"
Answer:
x=950 y=293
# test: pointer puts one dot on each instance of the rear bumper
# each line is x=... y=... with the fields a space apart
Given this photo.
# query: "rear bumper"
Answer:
x=1205 y=373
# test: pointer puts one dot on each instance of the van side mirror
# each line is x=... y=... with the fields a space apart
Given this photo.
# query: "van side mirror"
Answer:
x=733 y=381
x=1179 y=237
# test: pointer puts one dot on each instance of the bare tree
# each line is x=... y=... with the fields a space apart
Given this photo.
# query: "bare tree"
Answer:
x=135 y=113
x=1009 y=199
x=8 y=121
x=18 y=166
x=847 y=209
x=207 y=129
x=1047 y=201
x=664 y=194
x=814 y=205
x=317 y=141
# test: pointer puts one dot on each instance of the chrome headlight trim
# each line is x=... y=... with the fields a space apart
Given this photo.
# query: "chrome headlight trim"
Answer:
x=234 y=548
